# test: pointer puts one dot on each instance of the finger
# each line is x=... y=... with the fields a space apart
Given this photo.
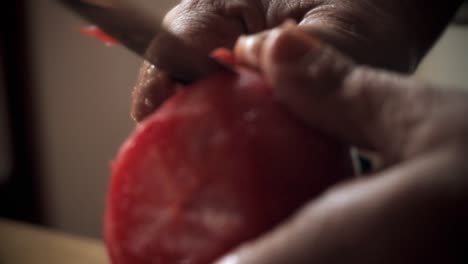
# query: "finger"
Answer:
x=152 y=88
x=367 y=31
x=202 y=26
x=380 y=33
x=371 y=32
x=407 y=215
x=374 y=110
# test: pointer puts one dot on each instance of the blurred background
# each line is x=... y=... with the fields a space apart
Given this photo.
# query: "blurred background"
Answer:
x=64 y=111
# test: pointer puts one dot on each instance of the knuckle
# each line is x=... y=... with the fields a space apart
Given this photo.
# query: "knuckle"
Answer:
x=276 y=11
x=328 y=68
x=209 y=23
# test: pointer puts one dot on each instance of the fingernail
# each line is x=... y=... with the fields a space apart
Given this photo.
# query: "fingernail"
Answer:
x=288 y=23
x=291 y=44
x=248 y=49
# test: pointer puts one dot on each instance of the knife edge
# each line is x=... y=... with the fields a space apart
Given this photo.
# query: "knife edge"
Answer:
x=144 y=35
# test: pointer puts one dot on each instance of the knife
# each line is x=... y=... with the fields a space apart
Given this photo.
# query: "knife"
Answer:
x=145 y=35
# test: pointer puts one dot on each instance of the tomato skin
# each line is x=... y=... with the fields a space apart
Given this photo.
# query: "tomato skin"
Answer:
x=219 y=163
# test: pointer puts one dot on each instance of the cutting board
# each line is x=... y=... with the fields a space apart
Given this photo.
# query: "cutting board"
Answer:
x=25 y=244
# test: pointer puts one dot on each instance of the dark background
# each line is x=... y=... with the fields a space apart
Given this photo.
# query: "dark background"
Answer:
x=19 y=191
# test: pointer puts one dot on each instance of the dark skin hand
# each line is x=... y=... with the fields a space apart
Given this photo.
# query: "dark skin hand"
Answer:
x=388 y=34
x=415 y=209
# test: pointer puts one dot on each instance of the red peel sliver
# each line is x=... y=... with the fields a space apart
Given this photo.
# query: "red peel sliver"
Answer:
x=224 y=56
x=96 y=32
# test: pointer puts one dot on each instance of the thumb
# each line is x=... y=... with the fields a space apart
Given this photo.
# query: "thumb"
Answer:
x=371 y=109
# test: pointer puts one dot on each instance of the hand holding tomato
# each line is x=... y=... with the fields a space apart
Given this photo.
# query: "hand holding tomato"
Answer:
x=219 y=163
x=415 y=208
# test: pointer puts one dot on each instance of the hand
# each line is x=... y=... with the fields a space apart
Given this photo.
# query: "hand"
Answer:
x=415 y=209
x=389 y=34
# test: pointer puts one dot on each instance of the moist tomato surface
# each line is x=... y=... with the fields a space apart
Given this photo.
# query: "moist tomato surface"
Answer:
x=221 y=162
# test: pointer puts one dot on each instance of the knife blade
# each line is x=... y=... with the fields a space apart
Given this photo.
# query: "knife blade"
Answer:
x=146 y=36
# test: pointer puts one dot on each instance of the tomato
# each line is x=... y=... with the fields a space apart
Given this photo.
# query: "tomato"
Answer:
x=221 y=162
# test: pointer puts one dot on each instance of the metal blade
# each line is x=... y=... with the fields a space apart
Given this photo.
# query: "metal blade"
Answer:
x=145 y=35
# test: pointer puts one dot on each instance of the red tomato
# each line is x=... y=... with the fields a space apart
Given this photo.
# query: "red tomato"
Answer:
x=218 y=164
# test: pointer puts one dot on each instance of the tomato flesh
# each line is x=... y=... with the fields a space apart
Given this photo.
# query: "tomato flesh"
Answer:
x=219 y=163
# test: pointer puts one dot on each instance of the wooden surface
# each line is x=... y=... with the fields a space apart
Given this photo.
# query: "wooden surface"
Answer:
x=24 y=244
